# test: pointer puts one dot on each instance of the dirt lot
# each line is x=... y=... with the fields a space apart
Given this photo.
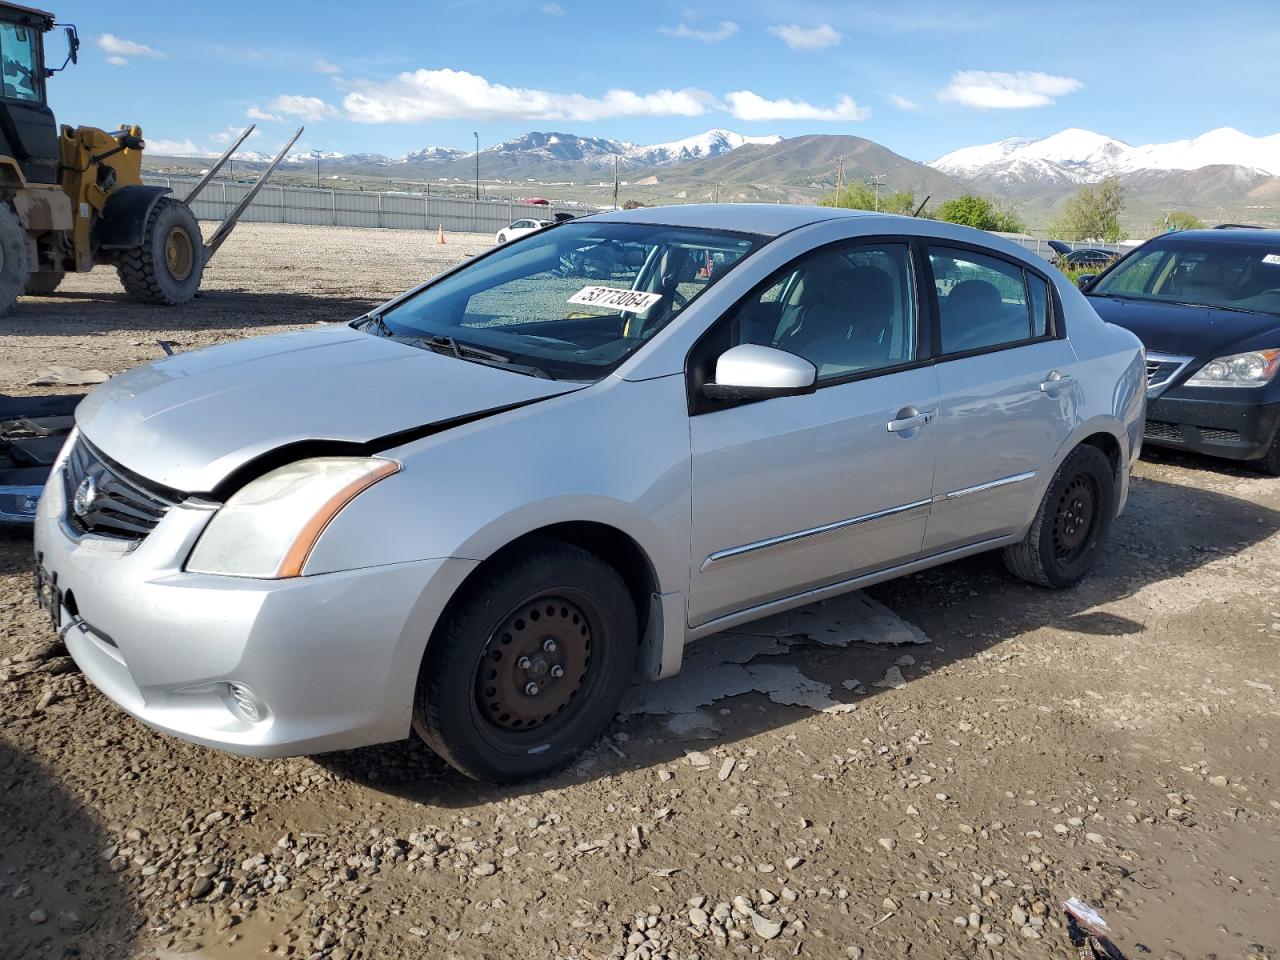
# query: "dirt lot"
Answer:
x=807 y=788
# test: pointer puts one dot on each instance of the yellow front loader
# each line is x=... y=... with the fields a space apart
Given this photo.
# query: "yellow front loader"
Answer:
x=73 y=198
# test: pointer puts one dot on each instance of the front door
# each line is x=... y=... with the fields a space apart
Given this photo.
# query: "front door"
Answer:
x=798 y=492
x=1007 y=396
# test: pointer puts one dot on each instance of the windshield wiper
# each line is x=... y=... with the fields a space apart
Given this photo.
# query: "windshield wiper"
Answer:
x=465 y=351
x=1185 y=303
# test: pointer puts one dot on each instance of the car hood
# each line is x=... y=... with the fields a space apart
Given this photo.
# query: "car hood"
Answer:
x=1189 y=331
x=190 y=420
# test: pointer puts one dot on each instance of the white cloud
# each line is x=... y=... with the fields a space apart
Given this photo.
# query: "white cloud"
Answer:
x=173 y=148
x=256 y=113
x=419 y=95
x=804 y=38
x=993 y=90
x=324 y=66
x=903 y=103
x=309 y=108
x=553 y=9
x=120 y=48
x=749 y=106
x=722 y=31
x=117 y=61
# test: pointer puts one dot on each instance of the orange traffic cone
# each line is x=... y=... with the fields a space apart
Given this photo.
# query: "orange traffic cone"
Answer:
x=442 y=233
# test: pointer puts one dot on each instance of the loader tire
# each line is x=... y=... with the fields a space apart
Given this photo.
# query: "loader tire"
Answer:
x=13 y=257
x=166 y=268
x=44 y=282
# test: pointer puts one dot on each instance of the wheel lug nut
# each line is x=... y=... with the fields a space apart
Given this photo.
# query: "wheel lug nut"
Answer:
x=557 y=671
x=531 y=689
x=523 y=663
x=549 y=645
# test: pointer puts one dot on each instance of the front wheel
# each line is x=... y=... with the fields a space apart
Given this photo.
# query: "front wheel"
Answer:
x=1270 y=463
x=1071 y=524
x=167 y=266
x=527 y=667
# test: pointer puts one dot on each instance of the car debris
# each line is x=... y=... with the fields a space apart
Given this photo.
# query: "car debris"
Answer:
x=1089 y=933
x=32 y=431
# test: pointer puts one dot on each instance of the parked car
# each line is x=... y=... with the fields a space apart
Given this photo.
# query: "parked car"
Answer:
x=521 y=227
x=1206 y=304
x=1065 y=256
x=478 y=511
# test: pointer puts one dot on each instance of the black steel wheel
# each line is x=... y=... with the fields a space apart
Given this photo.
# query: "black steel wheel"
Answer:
x=1071 y=524
x=528 y=664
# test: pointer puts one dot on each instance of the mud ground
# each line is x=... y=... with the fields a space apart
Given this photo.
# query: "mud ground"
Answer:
x=928 y=772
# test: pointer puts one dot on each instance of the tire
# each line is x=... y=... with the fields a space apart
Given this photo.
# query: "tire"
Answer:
x=167 y=267
x=474 y=705
x=1071 y=524
x=1270 y=462
x=44 y=282
x=14 y=267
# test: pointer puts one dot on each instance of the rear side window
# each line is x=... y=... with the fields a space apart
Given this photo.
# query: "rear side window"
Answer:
x=986 y=302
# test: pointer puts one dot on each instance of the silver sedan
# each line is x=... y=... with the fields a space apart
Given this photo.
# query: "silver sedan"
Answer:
x=480 y=511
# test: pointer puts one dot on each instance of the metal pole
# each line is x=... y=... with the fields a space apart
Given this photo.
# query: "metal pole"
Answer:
x=316 y=154
x=477 y=136
x=615 y=182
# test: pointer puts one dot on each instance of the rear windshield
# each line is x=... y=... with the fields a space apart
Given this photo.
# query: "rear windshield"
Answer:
x=569 y=302
x=1236 y=276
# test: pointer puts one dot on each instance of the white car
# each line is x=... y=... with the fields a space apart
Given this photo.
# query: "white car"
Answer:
x=479 y=511
x=520 y=227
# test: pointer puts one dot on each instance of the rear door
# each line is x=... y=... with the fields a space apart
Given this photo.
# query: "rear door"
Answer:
x=1007 y=394
x=798 y=492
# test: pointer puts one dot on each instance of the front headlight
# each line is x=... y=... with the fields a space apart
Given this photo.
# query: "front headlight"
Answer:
x=268 y=528
x=1252 y=369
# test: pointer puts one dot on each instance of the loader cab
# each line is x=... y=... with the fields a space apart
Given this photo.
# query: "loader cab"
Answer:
x=28 y=131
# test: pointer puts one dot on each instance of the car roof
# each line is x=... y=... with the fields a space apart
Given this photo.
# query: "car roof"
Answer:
x=1226 y=236
x=768 y=219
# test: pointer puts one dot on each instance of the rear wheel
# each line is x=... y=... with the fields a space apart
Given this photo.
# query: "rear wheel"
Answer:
x=1071 y=524
x=13 y=257
x=526 y=669
x=166 y=268
x=44 y=282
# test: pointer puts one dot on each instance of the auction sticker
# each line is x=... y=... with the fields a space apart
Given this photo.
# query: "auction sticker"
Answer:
x=611 y=298
x=1272 y=258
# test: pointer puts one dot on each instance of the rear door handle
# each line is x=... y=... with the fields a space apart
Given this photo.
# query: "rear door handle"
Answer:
x=1055 y=382
x=902 y=424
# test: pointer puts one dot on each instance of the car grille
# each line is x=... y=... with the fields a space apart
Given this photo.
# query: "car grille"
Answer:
x=1162 y=369
x=1158 y=430
x=122 y=505
x=1214 y=435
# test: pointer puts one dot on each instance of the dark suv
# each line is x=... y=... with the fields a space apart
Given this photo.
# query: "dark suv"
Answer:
x=1206 y=303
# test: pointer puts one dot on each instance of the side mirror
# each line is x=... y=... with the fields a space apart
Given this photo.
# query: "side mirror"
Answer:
x=1085 y=279
x=73 y=44
x=750 y=371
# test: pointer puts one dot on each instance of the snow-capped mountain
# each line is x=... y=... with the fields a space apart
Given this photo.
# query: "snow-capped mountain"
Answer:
x=713 y=143
x=1082 y=156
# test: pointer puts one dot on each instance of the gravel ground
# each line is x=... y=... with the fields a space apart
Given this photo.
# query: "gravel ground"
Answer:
x=937 y=799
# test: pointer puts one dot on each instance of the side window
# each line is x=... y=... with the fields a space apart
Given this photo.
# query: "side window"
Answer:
x=846 y=310
x=18 y=67
x=985 y=302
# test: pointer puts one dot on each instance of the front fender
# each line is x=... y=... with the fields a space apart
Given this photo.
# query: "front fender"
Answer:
x=124 y=216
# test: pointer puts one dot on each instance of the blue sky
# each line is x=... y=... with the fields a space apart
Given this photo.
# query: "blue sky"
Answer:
x=922 y=78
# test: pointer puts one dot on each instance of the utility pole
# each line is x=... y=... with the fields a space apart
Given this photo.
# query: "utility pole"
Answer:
x=316 y=154
x=615 y=181
x=477 y=136
x=876 y=181
x=839 y=177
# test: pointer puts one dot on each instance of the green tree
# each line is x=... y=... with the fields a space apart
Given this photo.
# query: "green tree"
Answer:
x=1180 y=220
x=859 y=196
x=1093 y=214
x=979 y=213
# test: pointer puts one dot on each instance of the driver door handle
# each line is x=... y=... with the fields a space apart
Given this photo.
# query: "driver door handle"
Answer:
x=902 y=424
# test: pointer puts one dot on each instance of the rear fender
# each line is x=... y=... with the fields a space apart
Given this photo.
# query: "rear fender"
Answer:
x=124 y=217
